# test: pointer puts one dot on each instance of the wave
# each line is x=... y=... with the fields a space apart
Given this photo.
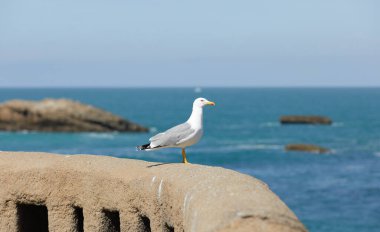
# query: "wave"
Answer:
x=377 y=154
x=239 y=147
x=338 y=124
x=270 y=124
x=277 y=124
x=152 y=129
x=101 y=135
x=259 y=147
x=25 y=132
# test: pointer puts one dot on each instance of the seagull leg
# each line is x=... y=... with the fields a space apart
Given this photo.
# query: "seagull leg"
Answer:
x=184 y=160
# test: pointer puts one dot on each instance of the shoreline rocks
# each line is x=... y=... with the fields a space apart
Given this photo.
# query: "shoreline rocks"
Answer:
x=305 y=119
x=306 y=148
x=61 y=115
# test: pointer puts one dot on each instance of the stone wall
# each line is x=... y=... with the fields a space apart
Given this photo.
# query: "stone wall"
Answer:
x=47 y=192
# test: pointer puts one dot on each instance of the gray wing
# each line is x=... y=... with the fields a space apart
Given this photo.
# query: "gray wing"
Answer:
x=172 y=136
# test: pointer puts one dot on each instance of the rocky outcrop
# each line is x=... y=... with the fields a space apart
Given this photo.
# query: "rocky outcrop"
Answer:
x=306 y=148
x=60 y=115
x=304 y=119
x=50 y=192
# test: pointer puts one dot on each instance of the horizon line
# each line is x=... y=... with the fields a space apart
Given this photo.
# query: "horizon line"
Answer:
x=186 y=87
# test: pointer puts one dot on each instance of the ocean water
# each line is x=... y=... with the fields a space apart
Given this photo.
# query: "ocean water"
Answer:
x=339 y=191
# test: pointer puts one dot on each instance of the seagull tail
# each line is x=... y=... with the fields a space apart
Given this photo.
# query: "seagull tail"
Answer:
x=143 y=147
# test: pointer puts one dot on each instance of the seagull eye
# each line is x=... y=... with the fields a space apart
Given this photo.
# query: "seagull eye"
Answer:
x=202 y=100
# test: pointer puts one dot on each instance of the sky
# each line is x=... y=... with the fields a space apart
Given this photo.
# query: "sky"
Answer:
x=170 y=43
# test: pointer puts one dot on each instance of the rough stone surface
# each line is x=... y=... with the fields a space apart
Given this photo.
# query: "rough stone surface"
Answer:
x=164 y=197
x=306 y=148
x=60 y=115
x=304 y=119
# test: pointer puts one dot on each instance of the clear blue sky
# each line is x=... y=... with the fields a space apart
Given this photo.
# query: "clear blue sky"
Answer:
x=189 y=43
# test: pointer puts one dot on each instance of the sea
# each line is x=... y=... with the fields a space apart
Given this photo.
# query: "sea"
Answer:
x=337 y=191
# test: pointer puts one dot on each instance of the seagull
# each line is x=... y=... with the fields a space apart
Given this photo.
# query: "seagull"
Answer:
x=182 y=135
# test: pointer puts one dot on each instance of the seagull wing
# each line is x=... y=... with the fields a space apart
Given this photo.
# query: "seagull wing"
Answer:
x=171 y=137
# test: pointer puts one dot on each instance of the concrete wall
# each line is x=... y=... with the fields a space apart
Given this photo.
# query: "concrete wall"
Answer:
x=47 y=192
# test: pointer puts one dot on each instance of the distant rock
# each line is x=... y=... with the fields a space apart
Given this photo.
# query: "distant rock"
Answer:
x=305 y=119
x=61 y=115
x=306 y=148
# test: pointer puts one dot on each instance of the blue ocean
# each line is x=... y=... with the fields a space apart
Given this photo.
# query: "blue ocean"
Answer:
x=338 y=191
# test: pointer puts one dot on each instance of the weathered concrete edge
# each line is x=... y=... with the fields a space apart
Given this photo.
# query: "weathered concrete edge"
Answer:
x=187 y=197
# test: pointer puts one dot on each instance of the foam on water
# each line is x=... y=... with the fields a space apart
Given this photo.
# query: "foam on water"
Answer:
x=338 y=124
x=248 y=147
x=152 y=129
x=236 y=148
x=100 y=135
x=270 y=124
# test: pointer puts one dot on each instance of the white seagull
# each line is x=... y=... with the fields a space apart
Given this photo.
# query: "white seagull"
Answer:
x=182 y=135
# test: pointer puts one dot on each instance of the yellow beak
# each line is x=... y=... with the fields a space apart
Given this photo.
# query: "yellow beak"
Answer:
x=211 y=103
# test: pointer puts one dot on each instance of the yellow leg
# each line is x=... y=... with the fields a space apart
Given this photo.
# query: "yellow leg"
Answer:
x=184 y=160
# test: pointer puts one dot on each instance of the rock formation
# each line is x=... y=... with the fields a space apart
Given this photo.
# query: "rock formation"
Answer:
x=48 y=192
x=306 y=148
x=304 y=119
x=60 y=115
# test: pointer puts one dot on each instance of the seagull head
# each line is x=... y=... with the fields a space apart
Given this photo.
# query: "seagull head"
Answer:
x=200 y=102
